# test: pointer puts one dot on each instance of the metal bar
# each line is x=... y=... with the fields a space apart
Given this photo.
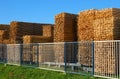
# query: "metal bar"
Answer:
x=21 y=52
x=65 y=58
x=37 y=55
x=93 y=58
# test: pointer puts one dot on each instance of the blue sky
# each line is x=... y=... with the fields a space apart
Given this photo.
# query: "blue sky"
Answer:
x=43 y=11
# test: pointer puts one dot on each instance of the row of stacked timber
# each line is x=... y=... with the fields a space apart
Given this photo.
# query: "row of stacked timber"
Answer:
x=106 y=24
x=98 y=25
x=65 y=30
x=85 y=33
x=20 y=29
x=15 y=32
x=107 y=27
x=46 y=37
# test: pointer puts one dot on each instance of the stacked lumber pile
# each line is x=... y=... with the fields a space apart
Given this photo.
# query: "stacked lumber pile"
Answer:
x=97 y=25
x=36 y=39
x=107 y=24
x=85 y=25
x=85 y=33
x=106 y=27
x=65 y=27
x=65 y=30
x=48 y=30
x=19 y=29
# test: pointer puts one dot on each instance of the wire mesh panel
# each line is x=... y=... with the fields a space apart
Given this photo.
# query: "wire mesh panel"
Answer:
x=3 y=53
x=99 y=58
x=80 y=60
x=29 y=55
x=51 y=56
x=107 y=59
x=13 y=54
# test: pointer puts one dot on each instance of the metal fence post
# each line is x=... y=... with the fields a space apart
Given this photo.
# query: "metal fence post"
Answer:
x=93 y=58
x=21 y=51
x=6 y=54
x=37 y=53
x=65 y=57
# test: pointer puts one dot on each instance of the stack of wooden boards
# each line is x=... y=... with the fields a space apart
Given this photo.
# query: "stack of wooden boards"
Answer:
x=107 y=27
x=97 y=25
x=65 y=30
x=85 y=25
x=4 y=33
x=65 y=27
x=47 y=36
x=20 y=29
x=107 y=24
x=85 y=33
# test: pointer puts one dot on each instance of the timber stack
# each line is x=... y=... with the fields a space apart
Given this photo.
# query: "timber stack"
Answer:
x=85 y=33
x=107 y=27
x=64 y=31
x=19 y=29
